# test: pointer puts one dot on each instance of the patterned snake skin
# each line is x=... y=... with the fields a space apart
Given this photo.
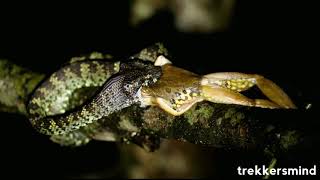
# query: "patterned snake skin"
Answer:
x=60 y=108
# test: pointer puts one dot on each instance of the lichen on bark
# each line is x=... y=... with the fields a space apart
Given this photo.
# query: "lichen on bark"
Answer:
x=206 y=123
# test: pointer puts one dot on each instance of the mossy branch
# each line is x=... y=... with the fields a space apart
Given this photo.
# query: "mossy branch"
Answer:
x=210 y=124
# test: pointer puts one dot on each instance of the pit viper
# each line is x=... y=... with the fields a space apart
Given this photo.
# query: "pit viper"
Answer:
x=87 y=89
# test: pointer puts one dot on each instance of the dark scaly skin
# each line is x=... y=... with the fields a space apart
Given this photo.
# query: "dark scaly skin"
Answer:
x=79 y=87
x=74 y=89
x=117 y=93
x=151 y=53
x=52 y=96
x=15 y=85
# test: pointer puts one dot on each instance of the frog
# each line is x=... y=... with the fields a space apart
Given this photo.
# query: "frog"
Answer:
x=71 y=104
x=178 y=89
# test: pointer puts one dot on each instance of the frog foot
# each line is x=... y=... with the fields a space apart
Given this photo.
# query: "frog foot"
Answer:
x=225 y=87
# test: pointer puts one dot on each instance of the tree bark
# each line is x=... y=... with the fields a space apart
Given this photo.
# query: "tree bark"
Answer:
x=209 y=124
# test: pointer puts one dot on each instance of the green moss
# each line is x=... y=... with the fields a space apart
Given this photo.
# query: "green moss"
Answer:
x=126 y=125
x=234 y=116
x=289 y=138
x=156 y=119
x=199 y=113
x=236 y=119
x=219 y=121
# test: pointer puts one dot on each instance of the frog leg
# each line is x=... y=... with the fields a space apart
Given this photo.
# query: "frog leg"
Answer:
x=177 y=108
x=226 y=96
x=230 y=84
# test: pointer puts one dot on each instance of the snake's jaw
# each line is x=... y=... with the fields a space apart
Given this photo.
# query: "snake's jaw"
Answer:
x=140 y=99
x=142 y=74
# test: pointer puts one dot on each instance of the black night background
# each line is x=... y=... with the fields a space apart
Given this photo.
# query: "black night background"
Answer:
x=278 y=39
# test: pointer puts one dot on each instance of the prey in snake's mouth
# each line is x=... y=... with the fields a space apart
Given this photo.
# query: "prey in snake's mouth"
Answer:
x=57 y=107
x=120 y=91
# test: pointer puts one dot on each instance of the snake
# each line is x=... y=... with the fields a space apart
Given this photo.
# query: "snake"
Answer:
x=87 y=89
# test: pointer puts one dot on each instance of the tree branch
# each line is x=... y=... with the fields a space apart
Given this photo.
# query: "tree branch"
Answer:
x=210 y=124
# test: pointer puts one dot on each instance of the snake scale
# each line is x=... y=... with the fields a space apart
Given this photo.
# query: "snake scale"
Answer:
x=87 y=89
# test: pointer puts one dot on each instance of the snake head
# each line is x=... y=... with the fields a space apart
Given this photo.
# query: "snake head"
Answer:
x=138 y=73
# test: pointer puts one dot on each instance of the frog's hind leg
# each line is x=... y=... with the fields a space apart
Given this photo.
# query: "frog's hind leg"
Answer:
x=226 y=96
x=176 y=109
x=232 y=83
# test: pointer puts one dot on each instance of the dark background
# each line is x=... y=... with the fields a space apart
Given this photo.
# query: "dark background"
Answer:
x=278 y=39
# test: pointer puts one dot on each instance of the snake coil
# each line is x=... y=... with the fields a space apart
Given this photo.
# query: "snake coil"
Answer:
x=119 y=91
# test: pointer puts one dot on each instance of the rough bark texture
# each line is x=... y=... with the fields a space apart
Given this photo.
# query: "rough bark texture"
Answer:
x=210 y=124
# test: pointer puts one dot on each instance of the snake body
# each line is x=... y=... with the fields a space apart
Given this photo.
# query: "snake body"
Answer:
x=121 y=90
x=68 y=104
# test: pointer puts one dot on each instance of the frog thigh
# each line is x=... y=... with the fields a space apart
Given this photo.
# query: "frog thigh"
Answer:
x=227 y=96
x=167 y=106
x=239 y=82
